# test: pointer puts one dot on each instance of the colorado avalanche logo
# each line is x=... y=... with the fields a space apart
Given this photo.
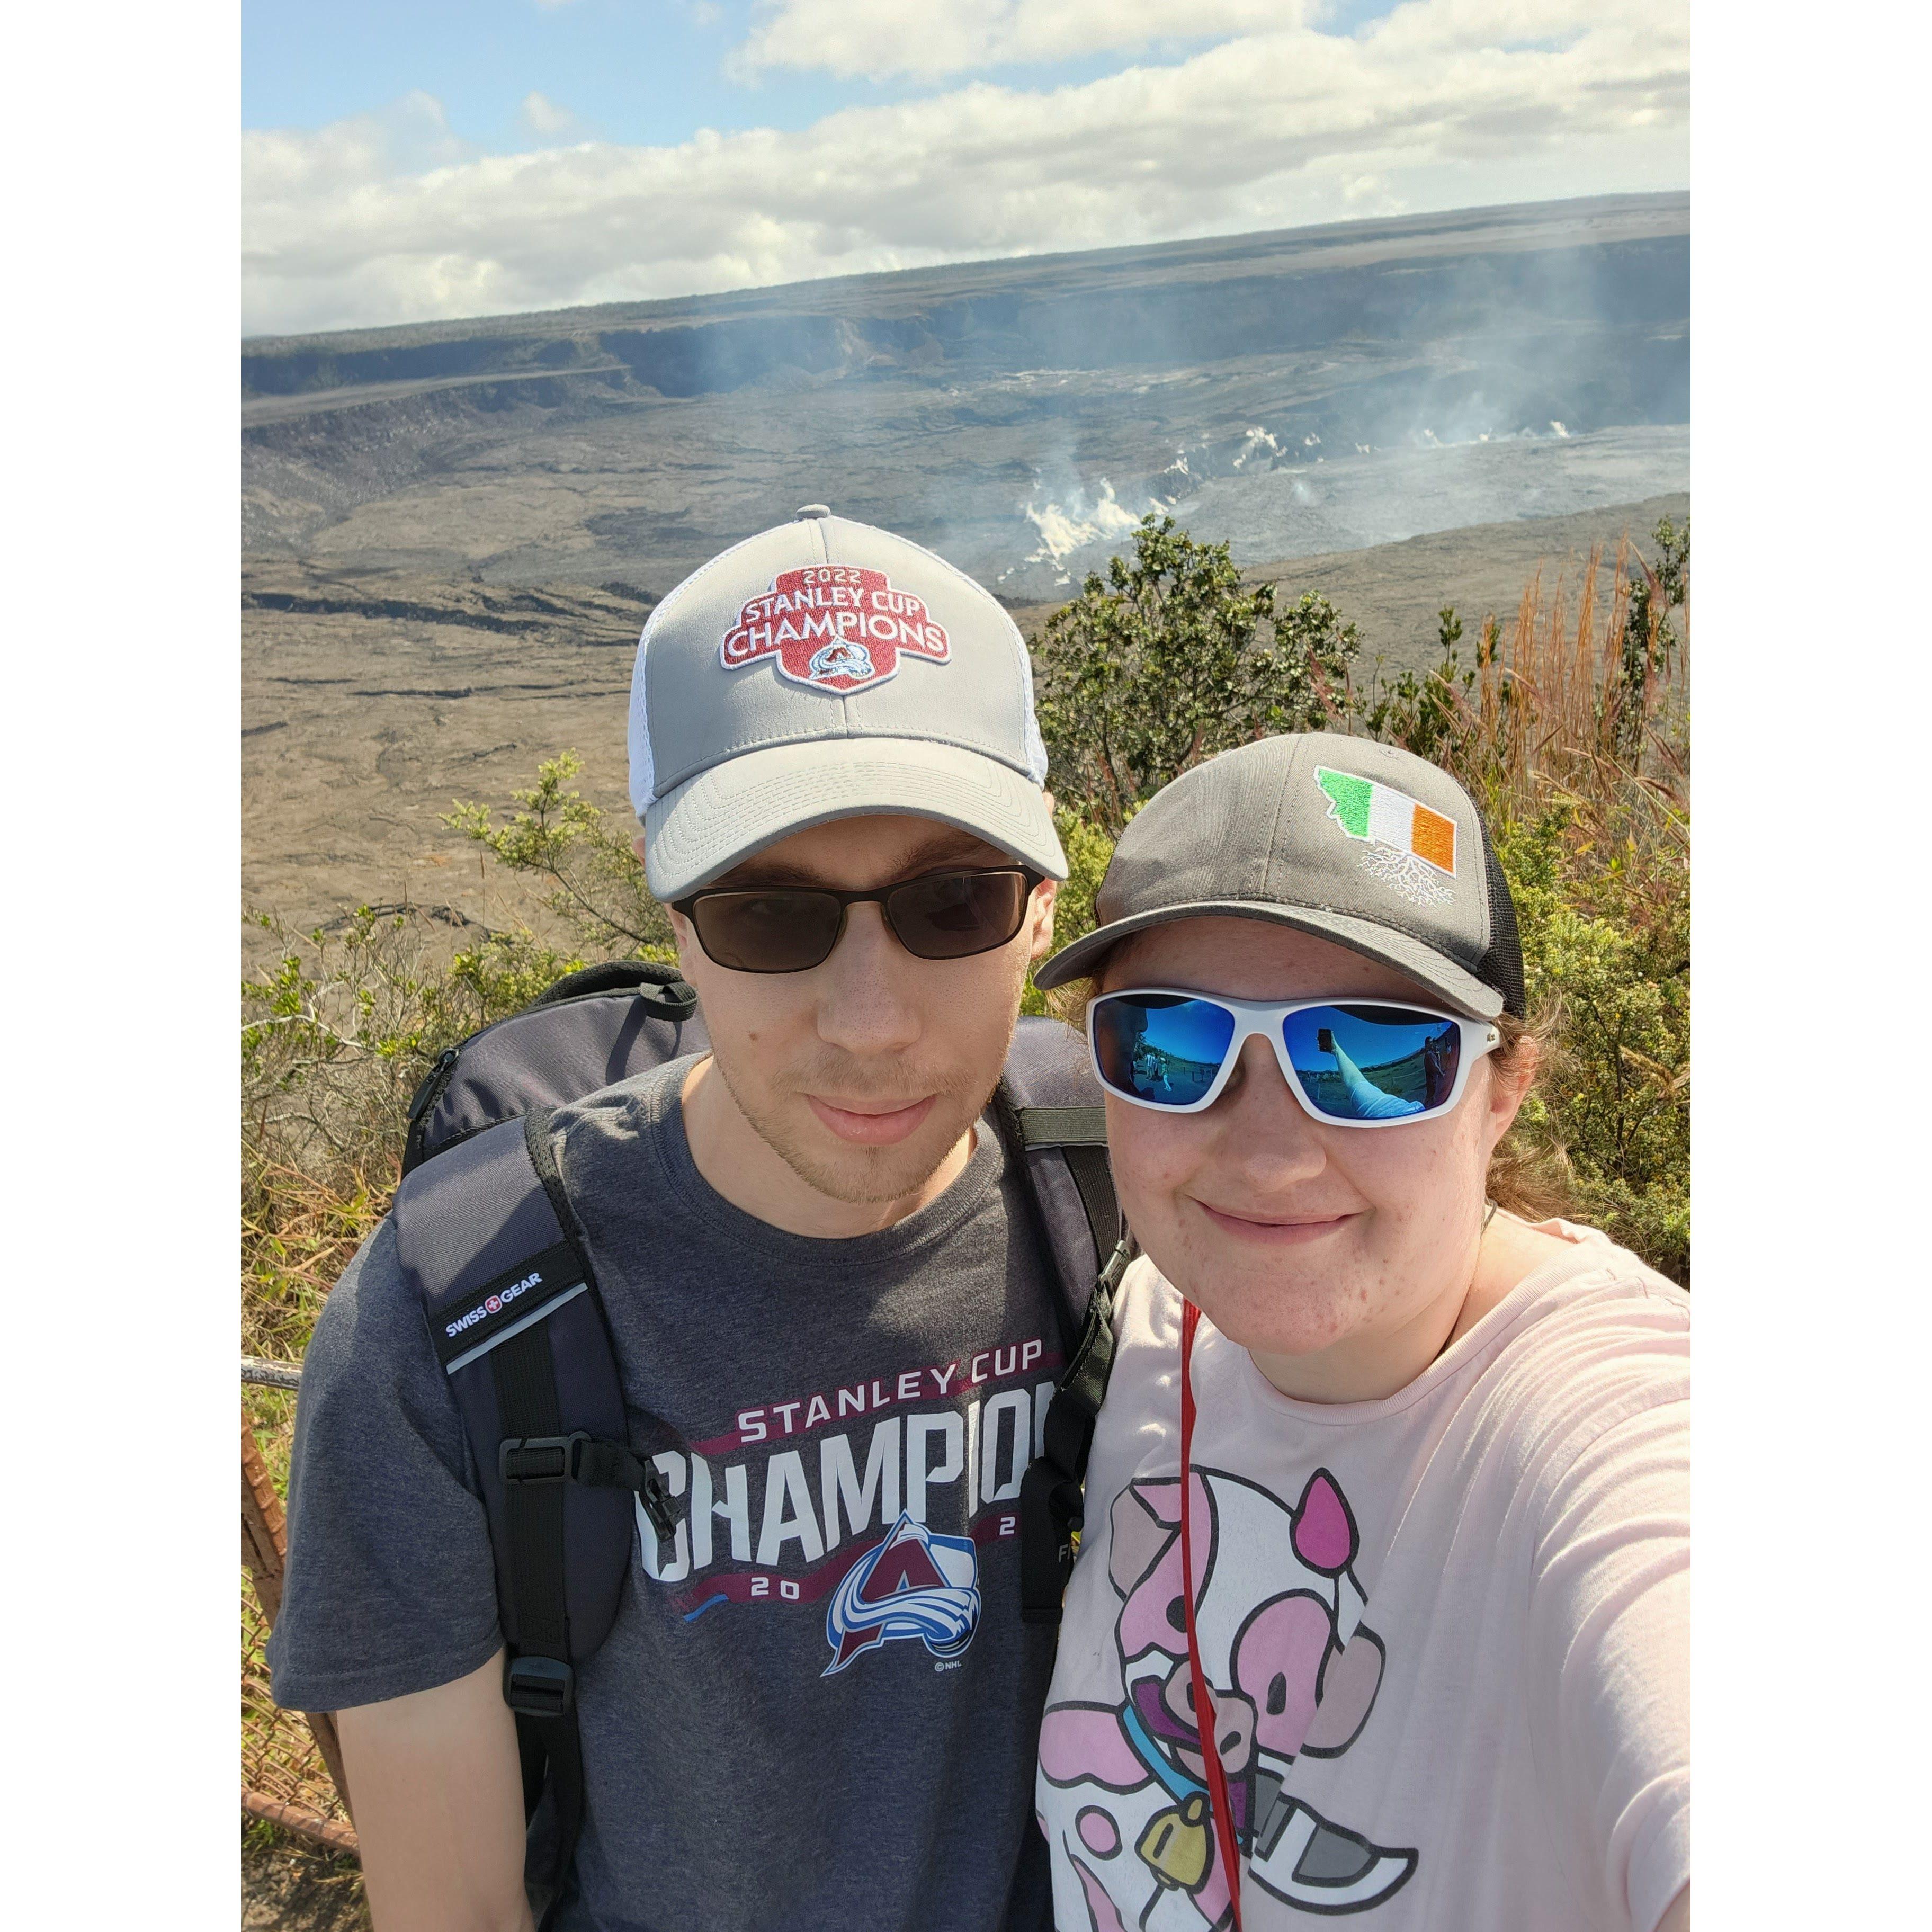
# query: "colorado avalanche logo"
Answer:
x=835 y=629
x=852 y=661
x=913 y=1584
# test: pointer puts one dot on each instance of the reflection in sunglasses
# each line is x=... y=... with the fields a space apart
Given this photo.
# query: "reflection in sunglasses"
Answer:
x=1353 y=1063
x=1380 y=1100
x=1389 y=1069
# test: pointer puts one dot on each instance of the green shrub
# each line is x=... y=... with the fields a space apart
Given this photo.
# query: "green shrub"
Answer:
x=596 y=888
x=337 y=1031
x=1607 y=969
x=1164 y=662
x=1087 y=850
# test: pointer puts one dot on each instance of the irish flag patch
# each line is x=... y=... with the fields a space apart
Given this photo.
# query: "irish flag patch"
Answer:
x=1408 y=846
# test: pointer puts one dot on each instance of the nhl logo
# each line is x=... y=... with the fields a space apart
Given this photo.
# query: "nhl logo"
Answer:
x=834 y=628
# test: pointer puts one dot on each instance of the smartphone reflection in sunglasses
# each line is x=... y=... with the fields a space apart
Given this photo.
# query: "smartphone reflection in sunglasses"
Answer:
x=1354 y=1064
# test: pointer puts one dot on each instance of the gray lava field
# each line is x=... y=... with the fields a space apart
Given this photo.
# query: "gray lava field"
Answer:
x=452 y=531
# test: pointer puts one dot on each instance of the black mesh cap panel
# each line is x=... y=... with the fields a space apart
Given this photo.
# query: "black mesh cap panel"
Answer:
x=1501 y=966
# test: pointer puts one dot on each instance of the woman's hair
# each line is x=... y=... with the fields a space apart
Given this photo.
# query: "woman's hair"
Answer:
x=1525 y=1179
x=1531 y=1181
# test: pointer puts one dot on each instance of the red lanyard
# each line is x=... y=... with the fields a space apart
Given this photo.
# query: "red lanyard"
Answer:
x=1205 y=1718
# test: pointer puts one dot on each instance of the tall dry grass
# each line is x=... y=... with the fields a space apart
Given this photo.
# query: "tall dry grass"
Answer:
x=1561 y=704
x=1572 y=728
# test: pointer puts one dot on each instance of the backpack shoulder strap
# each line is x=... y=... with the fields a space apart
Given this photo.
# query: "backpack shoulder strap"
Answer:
x=486 y=1237
x=1049 y=1108
x=1078 y=1136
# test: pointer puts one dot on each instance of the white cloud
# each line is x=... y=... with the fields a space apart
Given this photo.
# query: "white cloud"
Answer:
x=1446 y=103
x=880 y=39
x=542 y=115
x=409 y=136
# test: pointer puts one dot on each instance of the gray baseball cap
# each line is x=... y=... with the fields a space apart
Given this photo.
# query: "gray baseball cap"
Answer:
x=1358 y=842
x=821 y=669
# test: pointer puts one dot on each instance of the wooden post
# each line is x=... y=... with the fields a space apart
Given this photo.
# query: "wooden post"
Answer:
x=265 y=1530
x=264 y=1547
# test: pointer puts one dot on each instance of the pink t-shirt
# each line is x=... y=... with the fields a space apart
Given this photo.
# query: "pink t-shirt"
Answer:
x=1447 y=1634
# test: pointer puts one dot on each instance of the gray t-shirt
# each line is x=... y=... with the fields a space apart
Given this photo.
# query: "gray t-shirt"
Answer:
x=819 y=1707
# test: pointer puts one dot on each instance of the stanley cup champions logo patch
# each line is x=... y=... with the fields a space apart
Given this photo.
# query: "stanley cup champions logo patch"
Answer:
x=835 y=628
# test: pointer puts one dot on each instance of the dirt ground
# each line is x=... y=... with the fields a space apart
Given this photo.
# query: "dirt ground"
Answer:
x=370 y=705
x=290 y=1886
x=373 y=702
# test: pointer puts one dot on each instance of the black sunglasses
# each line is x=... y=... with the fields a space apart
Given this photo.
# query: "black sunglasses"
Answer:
x=792 y=929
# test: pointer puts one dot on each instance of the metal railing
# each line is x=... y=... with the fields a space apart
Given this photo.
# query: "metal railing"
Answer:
x=265 y=1553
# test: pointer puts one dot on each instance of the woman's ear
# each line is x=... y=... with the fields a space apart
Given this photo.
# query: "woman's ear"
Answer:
x=1510 y=1085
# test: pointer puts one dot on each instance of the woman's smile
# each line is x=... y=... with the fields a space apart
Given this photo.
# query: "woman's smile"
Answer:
x=1273 y=1230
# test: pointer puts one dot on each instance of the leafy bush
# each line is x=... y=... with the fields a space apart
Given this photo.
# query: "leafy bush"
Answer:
x=1162 y=663
x=596 y=887
x=1572 y=731
x=1087 y=850
x=1607 y=964
x=337 y=1031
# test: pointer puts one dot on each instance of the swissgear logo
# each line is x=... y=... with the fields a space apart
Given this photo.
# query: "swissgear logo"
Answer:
x=834 y=628
x=485 y=1308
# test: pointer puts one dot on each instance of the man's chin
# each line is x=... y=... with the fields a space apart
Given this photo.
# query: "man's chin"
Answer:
x=841 y=1166
x=864 y=1176
x=826 y=1155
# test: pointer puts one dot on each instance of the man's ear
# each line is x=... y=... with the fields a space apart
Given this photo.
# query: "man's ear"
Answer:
x=683 y=937
x=1041 y=913
x=685 y=940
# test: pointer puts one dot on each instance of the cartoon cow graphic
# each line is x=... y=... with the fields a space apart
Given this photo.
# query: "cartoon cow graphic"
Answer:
x=1292 y=1671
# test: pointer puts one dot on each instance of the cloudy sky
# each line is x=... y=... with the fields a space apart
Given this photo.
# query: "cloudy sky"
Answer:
x=410 y=160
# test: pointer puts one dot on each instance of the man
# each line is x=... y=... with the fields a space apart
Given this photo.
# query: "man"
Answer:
x=817 y=1270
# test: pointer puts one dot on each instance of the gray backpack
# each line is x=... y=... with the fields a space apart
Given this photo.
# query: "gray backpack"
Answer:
x=485 y=1234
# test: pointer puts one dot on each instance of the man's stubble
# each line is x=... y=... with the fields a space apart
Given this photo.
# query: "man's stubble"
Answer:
x=866 y=1176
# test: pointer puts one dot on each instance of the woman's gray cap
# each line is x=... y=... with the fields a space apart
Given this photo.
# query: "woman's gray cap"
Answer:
x=819 y=671
x=1356 y=841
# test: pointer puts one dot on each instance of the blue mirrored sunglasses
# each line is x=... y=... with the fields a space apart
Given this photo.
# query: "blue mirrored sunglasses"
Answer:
x=1351 y=1064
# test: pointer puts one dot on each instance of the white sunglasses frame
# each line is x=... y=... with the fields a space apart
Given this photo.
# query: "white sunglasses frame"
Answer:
x=1262 y=1019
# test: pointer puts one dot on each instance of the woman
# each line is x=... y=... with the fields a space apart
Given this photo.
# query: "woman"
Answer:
x=1394 y=1481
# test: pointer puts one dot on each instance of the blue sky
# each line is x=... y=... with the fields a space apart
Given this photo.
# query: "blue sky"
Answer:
x=650 y=71
x=428 y=160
